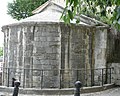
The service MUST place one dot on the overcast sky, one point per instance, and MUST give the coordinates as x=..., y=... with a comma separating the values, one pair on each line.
x=4, y=18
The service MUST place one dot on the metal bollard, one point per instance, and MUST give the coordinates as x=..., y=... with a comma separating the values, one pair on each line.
x=16, y=88
x=13, y=82
x=78, y=85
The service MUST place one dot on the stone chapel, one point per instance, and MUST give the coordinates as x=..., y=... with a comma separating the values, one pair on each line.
x=44, y=42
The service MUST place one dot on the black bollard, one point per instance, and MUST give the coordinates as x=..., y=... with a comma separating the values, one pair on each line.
x=13, y=82
x=16, y=88
x=78, y=85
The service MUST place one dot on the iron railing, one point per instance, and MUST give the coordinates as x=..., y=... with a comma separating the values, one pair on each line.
x=62, y=78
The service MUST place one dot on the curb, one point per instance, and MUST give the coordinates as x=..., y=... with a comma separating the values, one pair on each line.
x=64, y=91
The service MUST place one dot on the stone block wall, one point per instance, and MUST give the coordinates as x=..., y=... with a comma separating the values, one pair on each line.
x=47, y=53
x=33, y=47
x=116, y=73
x=0, y=78
x=43, y=49
x=10, y=53
x=76, y=45
x=100, y=47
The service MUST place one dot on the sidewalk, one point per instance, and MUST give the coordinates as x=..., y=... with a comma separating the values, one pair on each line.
x=109, y=92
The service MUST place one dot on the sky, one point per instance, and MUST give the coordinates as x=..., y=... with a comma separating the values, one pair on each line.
x=4, y=18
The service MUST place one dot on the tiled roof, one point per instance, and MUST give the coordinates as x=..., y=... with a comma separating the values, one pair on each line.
x=51, y=12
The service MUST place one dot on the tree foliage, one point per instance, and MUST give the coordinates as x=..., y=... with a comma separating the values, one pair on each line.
x=107, y=11
x=1, y=51
x=20, y=9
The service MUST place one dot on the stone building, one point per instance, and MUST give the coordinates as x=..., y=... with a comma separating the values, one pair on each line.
x=1, y=69
x=44, y=42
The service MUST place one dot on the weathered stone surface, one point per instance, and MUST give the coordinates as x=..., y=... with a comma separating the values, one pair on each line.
x=100, y=48
x=41, y=50
x=116, y=75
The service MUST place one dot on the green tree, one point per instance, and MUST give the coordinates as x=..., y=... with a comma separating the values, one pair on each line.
x=20, y=9
x=107, y=11
x=1, y=51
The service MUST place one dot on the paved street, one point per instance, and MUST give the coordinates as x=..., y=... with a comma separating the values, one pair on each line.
x=110, y=92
